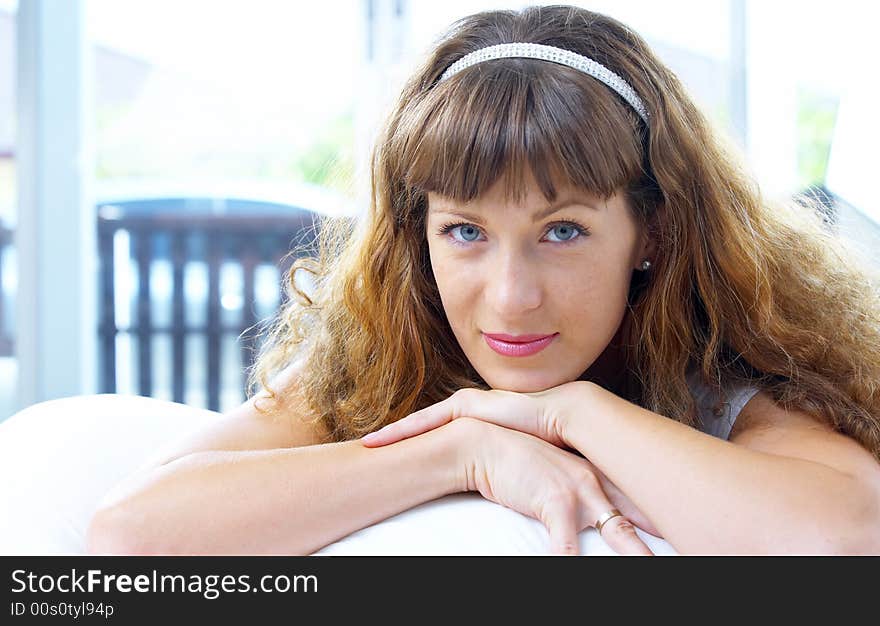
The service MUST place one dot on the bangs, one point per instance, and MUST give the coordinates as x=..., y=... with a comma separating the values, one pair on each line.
x=506, y=117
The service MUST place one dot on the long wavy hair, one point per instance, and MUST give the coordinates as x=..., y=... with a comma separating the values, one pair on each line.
x=741, y=288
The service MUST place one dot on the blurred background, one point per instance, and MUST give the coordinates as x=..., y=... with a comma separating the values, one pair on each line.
x=159, y=159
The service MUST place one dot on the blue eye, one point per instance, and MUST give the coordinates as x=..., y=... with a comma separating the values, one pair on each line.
x=468, y=230
x=567, y=232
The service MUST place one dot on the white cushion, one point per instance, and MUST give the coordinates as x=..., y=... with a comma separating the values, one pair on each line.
x=59, y=458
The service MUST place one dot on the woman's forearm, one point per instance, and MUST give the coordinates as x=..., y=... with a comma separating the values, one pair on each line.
x=281, y=501
x=707, y=496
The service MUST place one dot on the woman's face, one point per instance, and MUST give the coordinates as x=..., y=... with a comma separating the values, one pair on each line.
x=564, y=273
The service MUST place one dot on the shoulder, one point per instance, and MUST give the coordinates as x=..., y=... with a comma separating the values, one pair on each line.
x=764, y=426
x=761, y=414
x=286, y=408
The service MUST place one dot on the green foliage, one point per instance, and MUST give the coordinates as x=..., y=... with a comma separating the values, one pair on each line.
x=151, y=148
x=329, y=159
x=817, y=112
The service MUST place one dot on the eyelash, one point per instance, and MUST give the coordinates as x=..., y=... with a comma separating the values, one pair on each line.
x=583, y=231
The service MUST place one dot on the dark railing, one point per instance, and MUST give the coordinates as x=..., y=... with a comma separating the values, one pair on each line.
x=5, y=327
x=183, y=238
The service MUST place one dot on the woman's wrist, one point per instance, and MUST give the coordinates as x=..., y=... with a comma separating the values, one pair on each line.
x=462, y=438
x=584, y=401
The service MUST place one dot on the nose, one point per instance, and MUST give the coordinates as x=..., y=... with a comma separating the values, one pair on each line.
x=514, y=285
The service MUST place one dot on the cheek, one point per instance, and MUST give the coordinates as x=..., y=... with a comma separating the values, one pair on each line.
x=590, y=295
x=457, y=282
x=584, y=281
x=606, y=271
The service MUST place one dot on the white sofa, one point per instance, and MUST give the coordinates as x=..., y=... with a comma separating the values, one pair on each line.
x=58, y=458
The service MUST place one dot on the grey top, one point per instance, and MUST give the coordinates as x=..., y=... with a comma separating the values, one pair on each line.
x=736, y=397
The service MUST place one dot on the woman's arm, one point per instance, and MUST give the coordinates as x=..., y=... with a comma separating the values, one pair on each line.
x=796, y=490
x=278, y=501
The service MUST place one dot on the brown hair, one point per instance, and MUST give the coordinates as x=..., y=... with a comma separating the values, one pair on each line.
x=741, y=288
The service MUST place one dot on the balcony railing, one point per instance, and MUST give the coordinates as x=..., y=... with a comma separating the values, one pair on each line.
x=180, y=240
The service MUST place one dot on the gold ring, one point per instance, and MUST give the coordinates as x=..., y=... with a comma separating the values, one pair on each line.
x=605, y=517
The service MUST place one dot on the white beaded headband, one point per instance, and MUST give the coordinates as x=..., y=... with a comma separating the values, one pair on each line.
x=555, y=55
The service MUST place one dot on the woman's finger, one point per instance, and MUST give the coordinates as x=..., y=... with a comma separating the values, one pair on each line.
x=620, y=535
x=561, y=523
x=517, y=411
x=464, y=402
x=409, y=426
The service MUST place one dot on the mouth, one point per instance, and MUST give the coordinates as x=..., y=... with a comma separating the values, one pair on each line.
x=518, y=345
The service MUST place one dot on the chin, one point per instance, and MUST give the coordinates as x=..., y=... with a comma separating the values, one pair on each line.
x=523, y=382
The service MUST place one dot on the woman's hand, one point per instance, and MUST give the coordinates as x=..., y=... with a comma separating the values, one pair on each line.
x=543, y=414
x=558, y=488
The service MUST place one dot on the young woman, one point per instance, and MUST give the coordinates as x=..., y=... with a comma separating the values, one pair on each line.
x=566, y=295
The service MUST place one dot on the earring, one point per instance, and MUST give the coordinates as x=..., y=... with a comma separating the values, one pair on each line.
x=645, y=265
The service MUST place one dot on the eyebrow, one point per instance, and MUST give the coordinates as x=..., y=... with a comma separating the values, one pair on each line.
x=537, y=216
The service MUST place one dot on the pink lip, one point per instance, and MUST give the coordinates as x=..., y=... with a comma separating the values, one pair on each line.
x=516, y=338
x=518, y=345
